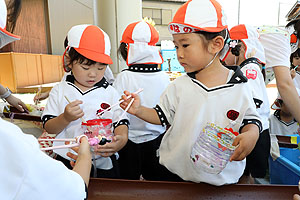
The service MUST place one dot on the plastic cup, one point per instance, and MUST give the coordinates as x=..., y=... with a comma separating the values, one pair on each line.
x=95, y=127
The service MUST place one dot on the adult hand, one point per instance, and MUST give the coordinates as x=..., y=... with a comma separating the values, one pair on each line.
x=17, y=103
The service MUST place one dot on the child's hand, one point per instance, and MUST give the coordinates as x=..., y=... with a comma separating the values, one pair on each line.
x=109, y=149
x=293, y=73
x=40, y=96
x=134, y=108
x=73, y=111
x=245, y=143
x=296, y=197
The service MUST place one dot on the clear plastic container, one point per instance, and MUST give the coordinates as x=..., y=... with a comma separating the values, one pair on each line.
x=98, y=127
x=213, y=148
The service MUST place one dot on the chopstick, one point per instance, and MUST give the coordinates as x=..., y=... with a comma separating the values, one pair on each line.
x=103, y=111
x=126, y=109
x=77, y=140
x=38, y=92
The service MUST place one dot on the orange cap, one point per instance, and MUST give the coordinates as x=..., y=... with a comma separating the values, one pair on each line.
x=91, y=42
x=141, y=38
x=198, y=15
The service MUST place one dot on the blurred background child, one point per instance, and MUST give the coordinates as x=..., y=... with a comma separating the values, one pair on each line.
x=86, y=56
x=282, y=122
x=245, y=50
x=295, y=70
x=137, y=48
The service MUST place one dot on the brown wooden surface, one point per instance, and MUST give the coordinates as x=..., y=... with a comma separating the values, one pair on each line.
x=23, y=116
x=32, y=27
x=109, y=189
x=20, y=70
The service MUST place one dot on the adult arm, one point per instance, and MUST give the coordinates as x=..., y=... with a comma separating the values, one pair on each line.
x=12, y=100
x=287, y=90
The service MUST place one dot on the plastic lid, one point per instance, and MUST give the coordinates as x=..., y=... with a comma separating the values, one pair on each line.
x=93, y=122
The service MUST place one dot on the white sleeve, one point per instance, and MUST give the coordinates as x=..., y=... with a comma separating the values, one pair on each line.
x=29, y=173
x=277, y=49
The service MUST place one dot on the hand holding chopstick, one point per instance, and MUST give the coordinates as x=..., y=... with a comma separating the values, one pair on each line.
x=128, y=97
x=74, y=143
x=82, y=119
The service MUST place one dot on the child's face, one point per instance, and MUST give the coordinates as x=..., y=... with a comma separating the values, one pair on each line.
x=296, y=61
x=191, y=51
x=284, y=108
x=86, y=76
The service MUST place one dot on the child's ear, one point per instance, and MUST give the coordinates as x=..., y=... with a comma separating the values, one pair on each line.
x=216, y=44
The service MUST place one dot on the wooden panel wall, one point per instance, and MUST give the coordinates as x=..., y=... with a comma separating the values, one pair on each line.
x=31, y=26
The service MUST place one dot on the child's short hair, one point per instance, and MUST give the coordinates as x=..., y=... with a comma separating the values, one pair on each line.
x=249, y=36
x=87, y=44
x=122, y=50
x=75, y=56
x=293, y=55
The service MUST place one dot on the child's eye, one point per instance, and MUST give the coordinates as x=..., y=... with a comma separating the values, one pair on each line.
x=100, y=68
x=176, y=47
x=85, y=68
x=185, y=45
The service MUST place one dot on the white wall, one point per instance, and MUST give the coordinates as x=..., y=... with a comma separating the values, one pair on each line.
x=164, y=33
x=113, y=16
x=257, y=12
x=63, y=14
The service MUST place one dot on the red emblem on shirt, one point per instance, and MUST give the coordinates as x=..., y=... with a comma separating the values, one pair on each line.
x=251, y=74
x=103, y=107
x=232, y=114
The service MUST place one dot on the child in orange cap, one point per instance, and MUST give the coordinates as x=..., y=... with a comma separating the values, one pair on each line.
x=210, y=110
x=86, y=56
x=138, y=49
x=245, y=50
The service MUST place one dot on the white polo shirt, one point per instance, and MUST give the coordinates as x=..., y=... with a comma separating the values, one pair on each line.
x=188, y=106
x=93, y=100
x=154, y=82
x=279, y=127
x=27, y=173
